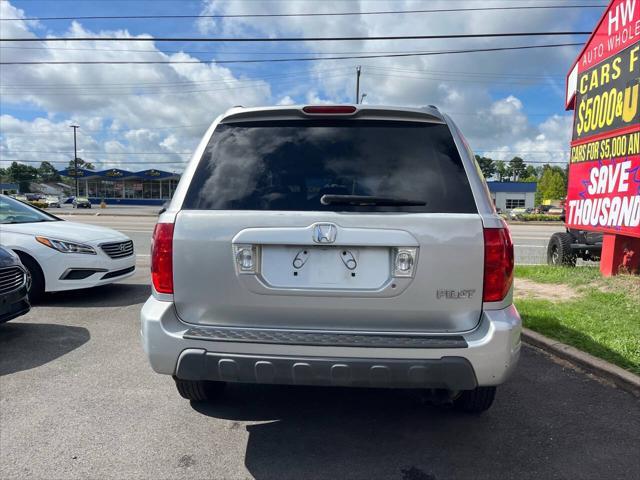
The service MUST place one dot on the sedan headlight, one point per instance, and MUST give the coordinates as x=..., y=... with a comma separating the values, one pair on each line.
x=66, y=247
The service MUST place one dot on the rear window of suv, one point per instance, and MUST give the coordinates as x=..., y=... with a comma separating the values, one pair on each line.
x=290, y=165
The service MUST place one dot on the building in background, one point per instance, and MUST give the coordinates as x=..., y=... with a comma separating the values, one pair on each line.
x=9, y=188
x=510, y=195
x=116, y=186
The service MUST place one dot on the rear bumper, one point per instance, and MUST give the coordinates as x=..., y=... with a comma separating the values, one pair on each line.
x=490, y=355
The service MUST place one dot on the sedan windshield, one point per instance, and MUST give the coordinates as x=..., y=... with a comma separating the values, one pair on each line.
x=13, y=211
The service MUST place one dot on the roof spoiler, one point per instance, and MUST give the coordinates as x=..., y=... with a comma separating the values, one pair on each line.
x=430, y=115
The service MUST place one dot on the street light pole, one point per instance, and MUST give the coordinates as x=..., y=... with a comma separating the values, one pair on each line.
x=358, y=84
x=75, y=158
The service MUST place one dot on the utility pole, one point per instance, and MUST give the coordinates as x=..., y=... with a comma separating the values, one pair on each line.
x=358, y=84
x=75, y=157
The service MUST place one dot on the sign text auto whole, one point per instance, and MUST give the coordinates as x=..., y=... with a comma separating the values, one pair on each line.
x=604, y=173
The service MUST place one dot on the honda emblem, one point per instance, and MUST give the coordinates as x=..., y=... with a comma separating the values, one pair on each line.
x=324, y=233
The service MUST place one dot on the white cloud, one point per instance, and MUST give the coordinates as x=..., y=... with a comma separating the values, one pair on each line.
x=459, y=84
x=286, y=100
x=122, y=100
x=128, y=108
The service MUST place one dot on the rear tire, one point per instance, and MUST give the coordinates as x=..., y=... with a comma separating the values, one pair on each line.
x=199, y=390
x=475, y=401
x=559, y=251
x=36, y=291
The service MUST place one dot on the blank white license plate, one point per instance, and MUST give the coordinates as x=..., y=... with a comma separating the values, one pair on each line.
x=316, y=267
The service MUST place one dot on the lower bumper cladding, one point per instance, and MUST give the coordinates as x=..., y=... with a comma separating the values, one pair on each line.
x=452, y=373
x=292, y=337
x=484, y=357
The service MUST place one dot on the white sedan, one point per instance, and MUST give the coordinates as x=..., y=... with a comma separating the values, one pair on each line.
x=63, y=255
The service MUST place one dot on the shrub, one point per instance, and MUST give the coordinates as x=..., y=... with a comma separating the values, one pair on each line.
x=38, y=204
x=538, y=217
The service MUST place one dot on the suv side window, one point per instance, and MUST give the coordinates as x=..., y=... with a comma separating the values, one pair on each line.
x=290, y=165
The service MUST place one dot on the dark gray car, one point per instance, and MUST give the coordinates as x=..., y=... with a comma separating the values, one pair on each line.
x=14, y=286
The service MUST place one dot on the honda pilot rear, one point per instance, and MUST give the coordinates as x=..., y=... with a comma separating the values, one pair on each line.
x=333, y=246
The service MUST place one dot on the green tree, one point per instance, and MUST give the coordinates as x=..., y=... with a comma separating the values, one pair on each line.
x=487, y=166
x=3, y=173
x=517, y=168
x=48, y=173
x=531, y=172
x=552, y=184
x=502, y=170
x=22, y=174
x=81, y=164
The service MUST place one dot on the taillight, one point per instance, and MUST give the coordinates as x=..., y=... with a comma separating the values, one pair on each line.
x=498, y=264
x=329, y=109
x=162, y=258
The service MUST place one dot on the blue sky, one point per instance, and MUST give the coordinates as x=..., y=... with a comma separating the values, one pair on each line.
x=507, y=104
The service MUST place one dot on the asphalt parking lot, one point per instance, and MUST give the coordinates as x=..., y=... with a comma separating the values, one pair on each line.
x=79, y=400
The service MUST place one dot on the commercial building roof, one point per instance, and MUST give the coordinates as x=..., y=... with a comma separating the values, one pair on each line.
x=513, y=187
x=116, y=173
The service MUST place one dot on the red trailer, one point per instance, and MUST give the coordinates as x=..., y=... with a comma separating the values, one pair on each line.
x=603, y=198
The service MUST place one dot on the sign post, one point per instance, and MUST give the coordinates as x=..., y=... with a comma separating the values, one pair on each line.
x=603, y=89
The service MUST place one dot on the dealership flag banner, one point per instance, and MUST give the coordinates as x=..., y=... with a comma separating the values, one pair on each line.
x=603, y=89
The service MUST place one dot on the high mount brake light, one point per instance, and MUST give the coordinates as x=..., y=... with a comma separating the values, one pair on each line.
x=330, y=110
x=162, y=258
x=498, y=264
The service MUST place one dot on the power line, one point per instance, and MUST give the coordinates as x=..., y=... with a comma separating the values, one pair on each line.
x=465, y=73
x=66, y=152
x=111, y=85
x=207, y=124
x=300, y=59
x=162, y=162
x=310, y=14
x=224, y=81
x=256, y=84
x=92, y=91
x=114, y=162
x=436, y=78
x=198, y=52
x=296, y=39
x=264, y=1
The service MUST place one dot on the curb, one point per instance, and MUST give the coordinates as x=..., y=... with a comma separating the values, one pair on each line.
x=622, y=378
x=100, y=214
x=535, y=222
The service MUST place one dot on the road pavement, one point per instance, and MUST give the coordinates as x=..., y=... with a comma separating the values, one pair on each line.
x=78, y=400
x=530, y=240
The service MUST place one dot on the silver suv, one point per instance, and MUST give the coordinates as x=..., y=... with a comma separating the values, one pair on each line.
x=338, y=246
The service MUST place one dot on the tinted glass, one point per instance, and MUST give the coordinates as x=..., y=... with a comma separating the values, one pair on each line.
x=13, y=211
x=290, y=165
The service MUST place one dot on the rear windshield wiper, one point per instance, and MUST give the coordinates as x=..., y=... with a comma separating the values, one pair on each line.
x=367, y=200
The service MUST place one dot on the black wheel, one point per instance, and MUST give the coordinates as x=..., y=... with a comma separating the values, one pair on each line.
x=199, y=390
x=36, y=290
x=559, y=250
x=475, y=401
